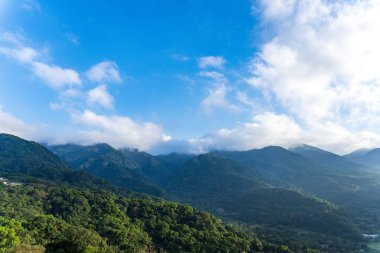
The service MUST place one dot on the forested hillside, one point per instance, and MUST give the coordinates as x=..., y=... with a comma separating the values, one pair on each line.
x=273, y=194
x=62, y=219
x=44, y=210
x=103, y=161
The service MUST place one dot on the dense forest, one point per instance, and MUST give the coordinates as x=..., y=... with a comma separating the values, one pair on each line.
x=62, y=219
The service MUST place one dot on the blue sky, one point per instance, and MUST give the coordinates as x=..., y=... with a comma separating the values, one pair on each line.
x=190, y=75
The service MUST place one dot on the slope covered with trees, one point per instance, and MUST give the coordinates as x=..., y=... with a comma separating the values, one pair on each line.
x=241, y=194
x=103, y=161
x=19, y=157
x=317, y=172
x=62, y=219
x=268, y=191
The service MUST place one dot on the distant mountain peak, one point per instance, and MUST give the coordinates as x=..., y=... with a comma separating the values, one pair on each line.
x=305, y=147
x=359, y=152
x=273, y=147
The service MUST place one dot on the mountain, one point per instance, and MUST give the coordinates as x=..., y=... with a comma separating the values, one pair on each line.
x=237, y=193
x=292, y=209
x=351, y=189
x=208, y=180
x=150, y=165
x=72, y=220
x=327, y=159
x=61, y=209
x=367, y=157
x=19, y=157
x=53, y=214
x=103, y=161
x=279, y=166
x=359, y=152
x=174, y=161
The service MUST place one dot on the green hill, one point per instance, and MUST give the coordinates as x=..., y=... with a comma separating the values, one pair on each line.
x=209, y=179
x=174, y=161
x=367, y=157
x=328, y=159
x=350, y=188
x=72, y=220
x=237, y=193
x=29, y=159
x=103, y=161
x=149, y=165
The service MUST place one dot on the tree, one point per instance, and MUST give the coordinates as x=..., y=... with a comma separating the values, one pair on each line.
x=8, y=239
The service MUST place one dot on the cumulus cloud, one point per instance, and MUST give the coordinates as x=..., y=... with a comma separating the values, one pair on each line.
x=265, y=129
x=270, y=128
x=100, y=95
x=275, y=9
x=23, y=54
x=104, y=72
x=243, y=98
x=119, y=131
x=322, y=62
x=216, y=97
x=317, y=75
x=56, y=76
x=320, y=69
x=211, y=62
x=217, y=93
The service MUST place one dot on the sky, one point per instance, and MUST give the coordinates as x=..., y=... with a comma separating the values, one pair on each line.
x=192, y=75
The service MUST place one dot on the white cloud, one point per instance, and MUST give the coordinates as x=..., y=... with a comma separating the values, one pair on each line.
x=243, y=98
x=275, y=9
x=215, y=76
x=322, y=63
x=12, y=125
x=100, y=95
x=217, y=93
x=281, y=130
x=119, y=131
x=216, y=97
x=211, y=62
x=70, y=93
x=265, y=129
x=104, y=72
x=56, y=76
x=12, y=38
x=23, y=54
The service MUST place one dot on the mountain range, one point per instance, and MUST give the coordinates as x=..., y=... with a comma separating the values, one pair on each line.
x=304, y=197
x=369, y=157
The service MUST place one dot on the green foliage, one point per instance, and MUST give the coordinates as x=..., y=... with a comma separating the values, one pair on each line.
x=236, y=193
x=8, y=237
x=48, y=214
x=27, y=159
x=74, y=220
x=103, y=161
x=149, y=165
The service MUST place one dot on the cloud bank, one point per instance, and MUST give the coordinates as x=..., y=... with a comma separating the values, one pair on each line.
x=320, y=68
